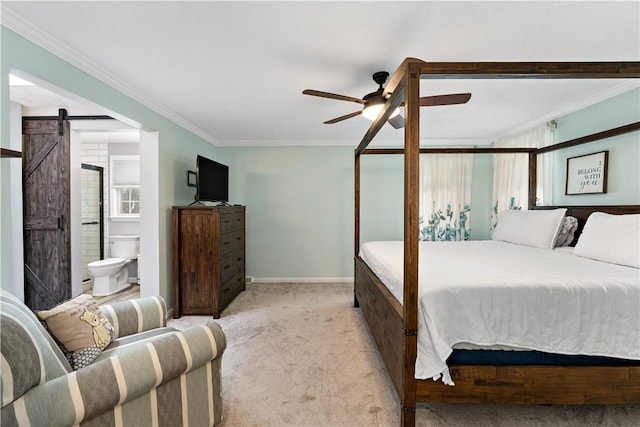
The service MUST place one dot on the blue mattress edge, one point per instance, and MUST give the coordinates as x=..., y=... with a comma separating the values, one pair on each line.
x=537, y=358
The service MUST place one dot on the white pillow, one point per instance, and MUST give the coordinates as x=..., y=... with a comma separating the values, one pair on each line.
x=611, y=238
x=537, y=228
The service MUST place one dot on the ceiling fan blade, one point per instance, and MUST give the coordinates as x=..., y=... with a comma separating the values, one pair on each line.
x=333, y=96
x=341, y=118
x=455, y=98
x=397, y=121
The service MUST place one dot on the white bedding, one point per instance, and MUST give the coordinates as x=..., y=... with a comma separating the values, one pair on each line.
x=495, y=293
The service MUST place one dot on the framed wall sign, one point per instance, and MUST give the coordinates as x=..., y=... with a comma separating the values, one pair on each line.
x=587, y=174
x=191, y=178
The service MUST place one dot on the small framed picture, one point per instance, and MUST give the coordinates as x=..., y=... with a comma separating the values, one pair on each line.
x=587, y=174
x=191, y=178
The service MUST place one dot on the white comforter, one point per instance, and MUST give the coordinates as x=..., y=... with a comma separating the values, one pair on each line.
x=496, y=293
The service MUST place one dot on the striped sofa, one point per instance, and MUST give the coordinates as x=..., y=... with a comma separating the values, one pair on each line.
x=151, y=375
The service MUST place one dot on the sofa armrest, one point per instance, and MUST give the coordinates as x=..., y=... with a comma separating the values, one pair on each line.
x=98, y=388
x=137, y=315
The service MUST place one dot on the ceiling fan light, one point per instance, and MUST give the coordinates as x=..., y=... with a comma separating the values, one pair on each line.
x=371, y=111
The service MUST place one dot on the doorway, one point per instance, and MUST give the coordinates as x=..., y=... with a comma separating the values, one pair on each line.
x=92, y=199
x=43, y=98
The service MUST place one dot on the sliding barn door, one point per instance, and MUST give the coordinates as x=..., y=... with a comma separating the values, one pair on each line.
x=47, y=247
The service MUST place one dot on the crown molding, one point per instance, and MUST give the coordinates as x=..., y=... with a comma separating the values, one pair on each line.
x=387, y=143
x=288, y=143
x=571, y=108
x=24, y=28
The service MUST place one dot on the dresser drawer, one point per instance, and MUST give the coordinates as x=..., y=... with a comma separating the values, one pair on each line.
x=232, y=287
x=230, y=264
x=231, y=241
x=231, y=221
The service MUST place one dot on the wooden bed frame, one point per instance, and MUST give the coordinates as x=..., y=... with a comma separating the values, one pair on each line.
x=394, y=326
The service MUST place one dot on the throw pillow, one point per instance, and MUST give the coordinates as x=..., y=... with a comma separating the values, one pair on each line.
x=568, y=230
x=81, y=329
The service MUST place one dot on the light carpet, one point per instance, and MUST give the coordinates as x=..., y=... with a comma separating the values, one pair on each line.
x=299, y=354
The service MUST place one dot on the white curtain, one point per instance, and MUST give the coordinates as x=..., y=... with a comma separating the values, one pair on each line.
x=445, y=196
x=511, y=171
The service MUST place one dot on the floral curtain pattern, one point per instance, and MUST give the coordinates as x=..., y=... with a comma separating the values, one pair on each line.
x=445, y=196
x=442, y=225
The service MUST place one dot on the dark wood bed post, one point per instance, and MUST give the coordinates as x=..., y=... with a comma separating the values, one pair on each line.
x=411, y=225
x=533, y=179
x=356, y=212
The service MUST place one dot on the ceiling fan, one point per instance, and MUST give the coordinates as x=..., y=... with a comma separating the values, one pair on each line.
x=374, y=101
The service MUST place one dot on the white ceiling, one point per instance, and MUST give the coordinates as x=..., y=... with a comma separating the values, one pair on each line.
x=233, y=72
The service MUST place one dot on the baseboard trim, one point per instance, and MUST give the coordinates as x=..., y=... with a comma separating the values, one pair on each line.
x=300, y=280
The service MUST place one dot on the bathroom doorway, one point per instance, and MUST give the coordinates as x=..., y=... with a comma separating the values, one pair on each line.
x=40, y=98
x=92, y=231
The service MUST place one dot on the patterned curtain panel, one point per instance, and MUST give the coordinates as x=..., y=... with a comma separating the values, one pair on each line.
x=510, y=172
x=445, y=201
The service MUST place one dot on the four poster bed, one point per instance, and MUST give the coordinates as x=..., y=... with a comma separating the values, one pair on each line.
x=394, y=325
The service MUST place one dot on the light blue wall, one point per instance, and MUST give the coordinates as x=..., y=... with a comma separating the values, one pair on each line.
x=177, y=148
x=300, y=206
x=299, y=209
x=381, y=197
x=623, y=186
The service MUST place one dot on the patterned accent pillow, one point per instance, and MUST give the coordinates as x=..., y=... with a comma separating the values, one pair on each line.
x=569, y=227
x=80, y=328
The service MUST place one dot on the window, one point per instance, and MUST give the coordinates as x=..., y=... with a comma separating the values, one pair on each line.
x=127, y=201
x=124, y=176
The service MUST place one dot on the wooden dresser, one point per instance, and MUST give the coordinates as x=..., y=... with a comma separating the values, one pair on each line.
x=208, y=258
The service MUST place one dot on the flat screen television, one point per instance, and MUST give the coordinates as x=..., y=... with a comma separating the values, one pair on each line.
x=212, y=181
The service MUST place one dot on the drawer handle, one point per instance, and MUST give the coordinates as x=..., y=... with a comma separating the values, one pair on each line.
x=225, y=243
x=238, y=238
x=239, y=258
x=226, y=267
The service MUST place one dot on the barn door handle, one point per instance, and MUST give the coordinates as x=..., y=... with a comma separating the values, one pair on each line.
x=61, y=222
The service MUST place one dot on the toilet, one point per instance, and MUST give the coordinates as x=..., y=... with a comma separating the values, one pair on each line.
x=112, y=274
